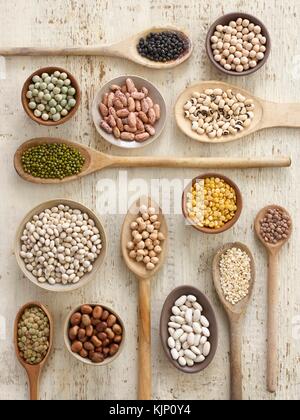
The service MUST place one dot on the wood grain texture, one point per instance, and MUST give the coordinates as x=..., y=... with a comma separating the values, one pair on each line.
x=78, y=22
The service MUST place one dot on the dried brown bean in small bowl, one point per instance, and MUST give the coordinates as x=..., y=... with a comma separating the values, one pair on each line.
x=151, y=119
x=225, y=21
x=94, y=334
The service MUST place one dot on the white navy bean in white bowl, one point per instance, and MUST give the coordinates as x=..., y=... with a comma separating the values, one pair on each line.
x=188, y=330
x=60, y=245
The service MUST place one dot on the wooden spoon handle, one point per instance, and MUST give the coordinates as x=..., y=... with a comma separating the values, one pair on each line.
x=204, y=163
x=145, y=377
x=73, y=51
x=236, y=377
x=281, y=115
x=272, y=362
x=34, y=373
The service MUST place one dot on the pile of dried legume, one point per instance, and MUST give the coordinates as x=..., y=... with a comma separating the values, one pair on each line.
x=189, y=332
x=163, y=46
x=238, y=46
x=51, y=97
x=60, y=245
x=146, y=243
x=218, y=113
x=275, y=226
x=211, y=203
x=235, y=275
x=33, y=335
x=53, y=160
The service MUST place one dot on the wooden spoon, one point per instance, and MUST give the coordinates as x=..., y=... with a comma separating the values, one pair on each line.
x=266, y=114
x=125, y=49
x=235, y=314
x=96, y=161
x=273, y=298
x=144, y=278
x=33, y=371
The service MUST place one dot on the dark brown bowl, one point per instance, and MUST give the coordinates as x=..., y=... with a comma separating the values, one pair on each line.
x=25, y=101
x=224, y=20
x=208, y=312
x=228, y=225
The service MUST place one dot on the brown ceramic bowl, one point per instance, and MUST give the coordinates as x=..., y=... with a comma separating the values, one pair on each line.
x=88, y=361
x=228, y=225
x=224, y=20
x=208, y=312
x=25, y=101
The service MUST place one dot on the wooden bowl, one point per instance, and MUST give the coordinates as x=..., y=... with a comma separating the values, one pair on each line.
x=224, y=20
x=228, y=225
x=25, y=101
x=97, y=264
x=153, y=93
x=208, y=312
x=87, y=361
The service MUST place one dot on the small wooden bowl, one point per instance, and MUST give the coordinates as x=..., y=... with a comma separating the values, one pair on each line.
x=88, y=361
x=25, y=100
x=228, y=225
x=153, y=93
x=97, y=264
x=208, y=312
x=225, y=20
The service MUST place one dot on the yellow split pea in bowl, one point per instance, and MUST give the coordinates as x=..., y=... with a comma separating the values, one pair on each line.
x=212, y=203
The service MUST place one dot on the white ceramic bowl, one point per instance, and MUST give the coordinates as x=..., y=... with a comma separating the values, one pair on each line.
x=153, y=93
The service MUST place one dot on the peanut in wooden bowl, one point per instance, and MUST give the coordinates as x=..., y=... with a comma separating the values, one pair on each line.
x=225, y=20
x=229, y=224
x=97, y=264
x=208, y=312
x=88, y=362
x=25, y=101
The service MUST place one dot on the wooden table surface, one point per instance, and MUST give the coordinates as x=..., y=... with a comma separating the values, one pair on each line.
x=72, y=22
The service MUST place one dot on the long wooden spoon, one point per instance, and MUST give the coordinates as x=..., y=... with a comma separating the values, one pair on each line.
x=273, y=298
x=96, y=161
x=235, y=314
x=266, y=114
x=144, y=278
x=33, y=371
x=125, y=49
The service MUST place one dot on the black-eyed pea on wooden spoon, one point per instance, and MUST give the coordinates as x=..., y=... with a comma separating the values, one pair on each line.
x=33, y=370
x=273, y=226
x=125, y=49
x=97, y=161
x=144, y=277
x=263, y=114
x=235, y=302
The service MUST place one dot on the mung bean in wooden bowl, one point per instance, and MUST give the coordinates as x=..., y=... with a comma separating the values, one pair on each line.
x=60, y=245
x=212, y=203
x=51, y=96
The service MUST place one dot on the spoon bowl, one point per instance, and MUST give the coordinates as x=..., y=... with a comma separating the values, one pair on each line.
x=125, y=49
x=266, y=114
x=208, y=312
x=97, y=161
x=33, y=371
x=235, y=314
x=144, y=279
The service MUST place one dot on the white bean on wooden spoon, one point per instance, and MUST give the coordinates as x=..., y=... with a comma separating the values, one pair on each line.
x=266, y=114
x=144, y=277
x=125, y=49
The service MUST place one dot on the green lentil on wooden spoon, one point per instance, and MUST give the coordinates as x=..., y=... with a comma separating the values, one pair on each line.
x=54, y=160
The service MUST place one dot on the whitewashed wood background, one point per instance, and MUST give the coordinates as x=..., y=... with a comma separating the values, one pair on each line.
x=79, y=22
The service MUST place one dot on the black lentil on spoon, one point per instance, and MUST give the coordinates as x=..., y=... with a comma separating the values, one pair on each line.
x=162, y=46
